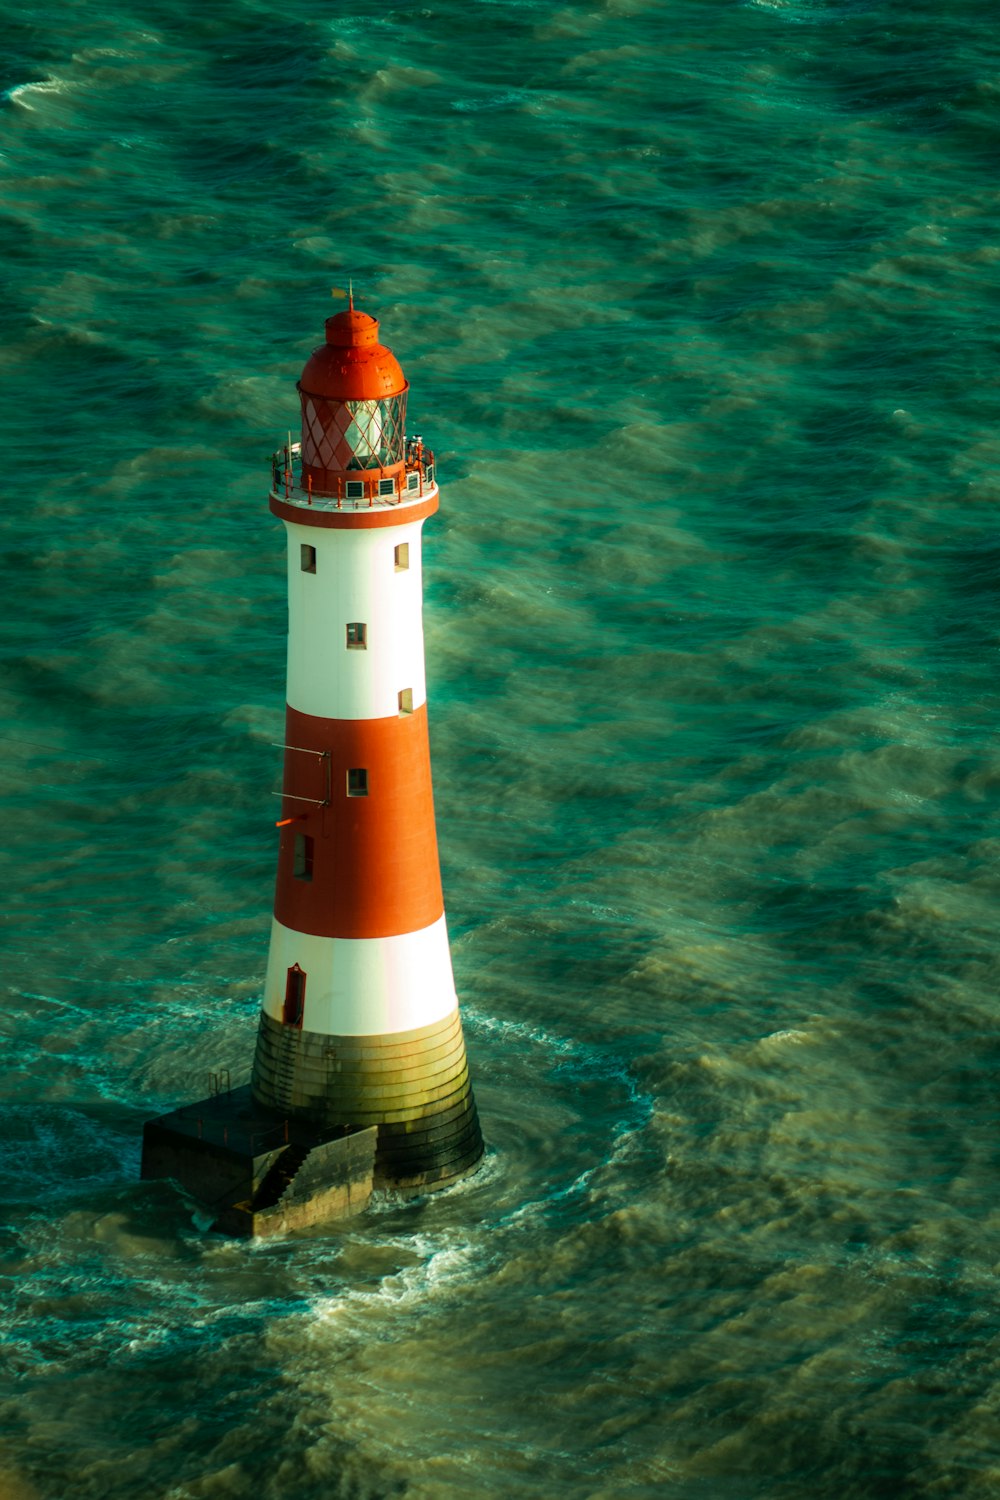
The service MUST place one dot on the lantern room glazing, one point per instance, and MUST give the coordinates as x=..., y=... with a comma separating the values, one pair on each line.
x=342, y=437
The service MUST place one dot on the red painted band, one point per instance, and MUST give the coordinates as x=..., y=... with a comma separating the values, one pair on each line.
x=371, y=869
x=354, y=520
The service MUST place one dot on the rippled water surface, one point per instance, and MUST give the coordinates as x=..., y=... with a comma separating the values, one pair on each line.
x=698, y=303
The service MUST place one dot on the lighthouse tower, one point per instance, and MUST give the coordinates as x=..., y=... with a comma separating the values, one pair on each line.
x=360, y=1024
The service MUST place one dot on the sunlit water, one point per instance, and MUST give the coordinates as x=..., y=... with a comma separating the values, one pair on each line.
x=699, y=307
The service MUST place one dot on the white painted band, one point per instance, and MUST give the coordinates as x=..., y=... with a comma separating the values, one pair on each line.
x=356, y=581
x=364, y=986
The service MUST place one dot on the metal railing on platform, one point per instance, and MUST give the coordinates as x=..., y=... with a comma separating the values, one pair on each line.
x=368, y=492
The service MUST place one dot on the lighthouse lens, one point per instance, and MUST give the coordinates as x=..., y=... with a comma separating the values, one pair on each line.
x=364, y=433
x=375, y=432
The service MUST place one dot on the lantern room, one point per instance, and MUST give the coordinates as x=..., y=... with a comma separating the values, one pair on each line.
x=353, y=395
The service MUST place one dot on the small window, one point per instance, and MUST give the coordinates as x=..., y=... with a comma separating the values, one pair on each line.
x=405, y=697
x=402, y=557
x=303, y=866
x=357, y=636
x=308, y=558
x=387, y=486
x=295, y=997
x=357, y=782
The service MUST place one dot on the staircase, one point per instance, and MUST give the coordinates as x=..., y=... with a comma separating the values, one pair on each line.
x=279, y=1177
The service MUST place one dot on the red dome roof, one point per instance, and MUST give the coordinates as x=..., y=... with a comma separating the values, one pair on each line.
x=352, y=365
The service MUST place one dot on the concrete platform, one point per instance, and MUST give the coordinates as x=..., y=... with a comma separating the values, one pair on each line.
x=256, y=1173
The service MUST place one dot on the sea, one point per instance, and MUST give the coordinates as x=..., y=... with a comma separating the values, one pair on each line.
x=699, y=305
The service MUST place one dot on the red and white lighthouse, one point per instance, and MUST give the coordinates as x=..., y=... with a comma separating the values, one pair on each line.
x=360, y=1023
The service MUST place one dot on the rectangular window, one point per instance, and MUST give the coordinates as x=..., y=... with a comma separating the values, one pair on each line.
x=357, y=782
x=405, y=696
x=308, y=556
x=402, y=557
x=303, y=866
x=357, y=636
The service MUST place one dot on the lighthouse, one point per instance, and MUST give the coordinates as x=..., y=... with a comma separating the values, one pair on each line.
x=360, y=1077
x=360, y=1022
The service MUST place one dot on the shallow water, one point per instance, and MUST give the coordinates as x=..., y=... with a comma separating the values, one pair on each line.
x=698, y=310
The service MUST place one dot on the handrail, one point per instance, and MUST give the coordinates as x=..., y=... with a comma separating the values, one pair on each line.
x=287, y=485
x=255, y=1139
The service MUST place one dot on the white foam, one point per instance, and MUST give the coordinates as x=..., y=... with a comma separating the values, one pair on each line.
x=777, y=1038
x=443, y=1265
x=21, y=93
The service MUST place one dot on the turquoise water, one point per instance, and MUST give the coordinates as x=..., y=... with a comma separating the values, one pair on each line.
x=698, y=304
